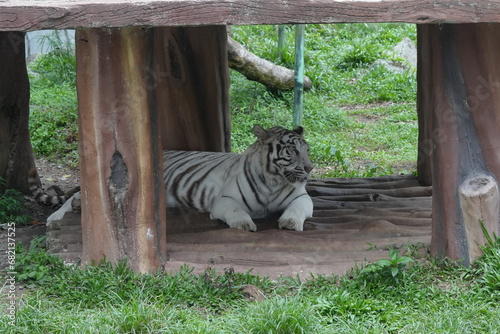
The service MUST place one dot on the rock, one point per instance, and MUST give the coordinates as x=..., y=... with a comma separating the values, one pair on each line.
x=406, y=50
x=252, y=293
x=392, y=66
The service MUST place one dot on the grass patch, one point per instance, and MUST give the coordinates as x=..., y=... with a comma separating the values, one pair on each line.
x=425, y=295
x=360, y=119
x=53, y=123
x=339, y=61
x=12, y=206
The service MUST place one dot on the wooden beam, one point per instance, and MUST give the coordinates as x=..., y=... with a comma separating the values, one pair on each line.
x=121, y=166
x=35, y=15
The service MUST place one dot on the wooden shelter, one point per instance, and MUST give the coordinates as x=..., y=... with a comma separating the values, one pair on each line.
x=153, y=75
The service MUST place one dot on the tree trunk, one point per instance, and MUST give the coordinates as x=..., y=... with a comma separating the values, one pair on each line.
x=123, y=196
x=196, y=103
x=460, y=103
x=16, y=154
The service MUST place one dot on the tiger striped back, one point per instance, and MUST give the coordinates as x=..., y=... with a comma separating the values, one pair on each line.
x=194, y=179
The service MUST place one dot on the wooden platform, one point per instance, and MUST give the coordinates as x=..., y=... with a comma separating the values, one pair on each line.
x=354, y=220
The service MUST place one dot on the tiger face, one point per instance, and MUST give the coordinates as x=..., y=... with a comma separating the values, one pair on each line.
x=287, y=152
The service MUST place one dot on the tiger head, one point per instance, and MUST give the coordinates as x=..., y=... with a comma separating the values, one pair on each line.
x=287, y=152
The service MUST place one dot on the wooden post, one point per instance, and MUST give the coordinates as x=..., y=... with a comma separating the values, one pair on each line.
x=123, y=196
x=298, y=91
x=460, y=103
x=424, y=104
x=281, y=41
x=195, y=109
x=16, y=154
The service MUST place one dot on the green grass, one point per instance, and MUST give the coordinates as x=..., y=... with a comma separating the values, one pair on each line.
x=12, y=206
x=360, y=120
x=347, y=91
x=53, y=123
x=424, y=295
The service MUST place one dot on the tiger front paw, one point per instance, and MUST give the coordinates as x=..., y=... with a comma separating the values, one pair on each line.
x=244, y=225
x=291, y=224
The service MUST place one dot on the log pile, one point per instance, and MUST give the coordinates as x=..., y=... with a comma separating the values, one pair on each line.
x=354, y=220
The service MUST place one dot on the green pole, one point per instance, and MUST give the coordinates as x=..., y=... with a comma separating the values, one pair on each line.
x=298, y=91
x=281, y=41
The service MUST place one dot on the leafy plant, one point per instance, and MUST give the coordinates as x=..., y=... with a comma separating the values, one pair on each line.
x=54, y=132
x=12, y=206
x=58, y=65
x=53, y=122
x=388, y=270
x=34, y=265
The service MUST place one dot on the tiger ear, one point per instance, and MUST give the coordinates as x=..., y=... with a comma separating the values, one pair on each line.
x=260, y=132
x=299, y=130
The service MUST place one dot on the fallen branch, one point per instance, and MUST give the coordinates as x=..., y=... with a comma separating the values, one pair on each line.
x=273, y=76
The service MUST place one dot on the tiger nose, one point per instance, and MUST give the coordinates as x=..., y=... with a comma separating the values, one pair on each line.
x=308, y=169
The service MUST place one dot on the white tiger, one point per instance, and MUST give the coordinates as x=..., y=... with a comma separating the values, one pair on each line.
x=269, y=177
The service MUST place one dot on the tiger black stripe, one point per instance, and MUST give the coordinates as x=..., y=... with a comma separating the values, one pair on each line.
x=242, y=195
x=43, y=197
x=251, y=182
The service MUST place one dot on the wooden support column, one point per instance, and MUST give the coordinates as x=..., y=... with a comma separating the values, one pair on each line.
x=123, y=196
x=195, y=71
x=459, y=100
x=16, y=154
x=424, y=103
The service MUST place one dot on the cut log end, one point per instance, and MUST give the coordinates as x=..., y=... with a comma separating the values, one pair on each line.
x=480, y=204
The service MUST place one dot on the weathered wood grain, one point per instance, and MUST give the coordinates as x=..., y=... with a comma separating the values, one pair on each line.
x=480, y=204
x=36, y=15
x=332, y=241
x=461, y=108
x=123, y=197
x=16, y=154
x=193, y=77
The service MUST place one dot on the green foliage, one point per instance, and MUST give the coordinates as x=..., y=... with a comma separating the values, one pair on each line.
x=339, y=62
x=54, y=127
x=391, y=269
x=109, y=298
x=11, y=206
x=106, y=284
x=58, y=66
x=342, y=303
x=487, y=268
x=34, y=265
x=53, y=122
x=280, y=315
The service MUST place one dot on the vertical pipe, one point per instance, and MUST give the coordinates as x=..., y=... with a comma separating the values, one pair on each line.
x=281, y=41
x=298, y=91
